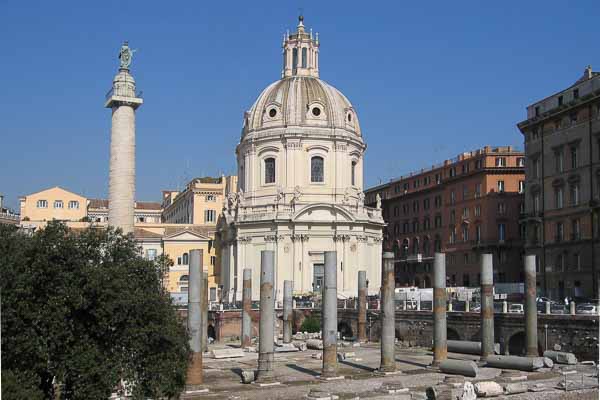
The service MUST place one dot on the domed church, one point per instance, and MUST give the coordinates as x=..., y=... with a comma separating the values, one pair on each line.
x=300, y=185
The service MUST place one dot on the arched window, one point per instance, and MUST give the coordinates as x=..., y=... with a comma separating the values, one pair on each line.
x=316, y=169
x=185, y=259
x=304, y=56
x=353, y=172
x=415, y=246
x=184, y=278
x=270, y=170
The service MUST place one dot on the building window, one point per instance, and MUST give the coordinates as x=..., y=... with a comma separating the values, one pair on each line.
x=501, y=186
x=185, y=259
x=452, y=172
x=213, y=260
x=58, y=204
x=151, y=254
x=574, y=157
x=478, y=233
x=575, y=93
x=478, y=190
x=426, y=204
x=415, y=206
x=465, y=192
x=478, y=210
x=452, y=235
x=210, y=215
x=521, y=187
x=437, y=221
x=426, y=223
x=73, y=204
x=503, y=256
x=560, y=100
x=316, y=169
x=42, y=204
x=453, y=216
x=500, y=161
x=452, y=197
x=559, y=197
x=575, y=194
x=559, y=161
x=559, y=233
x=304, y=55
x=560, y=263
x=396, y=211
x=478, y=164
x=438, y=201
x=520, y=161
x=465, y=233
x=575, y=230
x=577, y=262
x=294, y=59
x=501, y=208
x=536, y=203
x=501, y=232
x=537, y=111
x=353, y=172
x=438, y=179
x=536, y=167
x=211, y=197
x=270, y=170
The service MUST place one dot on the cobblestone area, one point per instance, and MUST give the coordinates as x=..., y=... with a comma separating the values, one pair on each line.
x=298, y=375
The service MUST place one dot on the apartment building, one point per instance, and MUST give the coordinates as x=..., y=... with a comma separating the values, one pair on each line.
x=464, y=207
x=562, y=199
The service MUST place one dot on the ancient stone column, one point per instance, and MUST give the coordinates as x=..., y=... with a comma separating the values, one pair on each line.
x=247, y=309
x=287, y=311
x=123, y=101
x=531, y=332
x=329, y=316
x=267, y=315
x=362, y=306
x=194, y=373
x=440, y=344
x=204, y=308
x=487, y=306
x=388, y=326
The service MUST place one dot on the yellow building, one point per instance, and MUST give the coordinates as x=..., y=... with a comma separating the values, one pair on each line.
x=200, y=202
x=52, y=204
x=176, y=241
x=60, y=204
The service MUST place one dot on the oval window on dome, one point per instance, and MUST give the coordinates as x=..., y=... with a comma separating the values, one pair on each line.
x=272, y=112
x=349, y=117
x=316, y=111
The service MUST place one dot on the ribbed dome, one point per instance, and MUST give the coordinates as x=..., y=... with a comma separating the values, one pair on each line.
x=301, y=101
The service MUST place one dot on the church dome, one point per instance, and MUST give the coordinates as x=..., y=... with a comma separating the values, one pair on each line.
x=300, y=98
x=301, y=101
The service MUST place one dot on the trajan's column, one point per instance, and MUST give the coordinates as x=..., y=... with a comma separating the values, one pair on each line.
x=123, y=100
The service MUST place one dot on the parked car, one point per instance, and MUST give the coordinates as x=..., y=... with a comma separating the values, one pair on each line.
x=558, y=308
x=586, y=308
x=516, y=308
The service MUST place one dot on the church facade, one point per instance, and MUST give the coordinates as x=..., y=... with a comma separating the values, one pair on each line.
x=300, y=185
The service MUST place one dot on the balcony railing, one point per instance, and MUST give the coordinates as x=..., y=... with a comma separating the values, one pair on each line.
x=123, y=91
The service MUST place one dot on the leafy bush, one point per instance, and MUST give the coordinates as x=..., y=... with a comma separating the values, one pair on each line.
x=86, y=310
x=310, y=325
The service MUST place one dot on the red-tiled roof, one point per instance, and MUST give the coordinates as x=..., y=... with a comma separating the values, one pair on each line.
x=139, y=205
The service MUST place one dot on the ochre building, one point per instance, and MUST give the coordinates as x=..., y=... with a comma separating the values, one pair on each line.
x=464, y=207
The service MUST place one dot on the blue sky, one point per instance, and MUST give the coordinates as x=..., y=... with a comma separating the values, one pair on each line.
x=429, y=80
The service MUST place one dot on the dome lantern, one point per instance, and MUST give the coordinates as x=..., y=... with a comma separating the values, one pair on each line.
x=300, y=53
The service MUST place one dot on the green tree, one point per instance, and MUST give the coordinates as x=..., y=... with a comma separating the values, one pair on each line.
x=84, y=310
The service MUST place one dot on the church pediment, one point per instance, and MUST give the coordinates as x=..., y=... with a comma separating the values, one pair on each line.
x=322, y=212
x=186, y=236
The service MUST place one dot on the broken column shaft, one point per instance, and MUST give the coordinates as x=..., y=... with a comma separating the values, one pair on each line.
x=267, y=315
x=388, y=328
x=287, y=311
x=362, y=306
x=194, y=373
x=329, y=316
x=247, y=308
x=204, y=307
x=531, y=333
x=440, y=344
x=487, y=306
